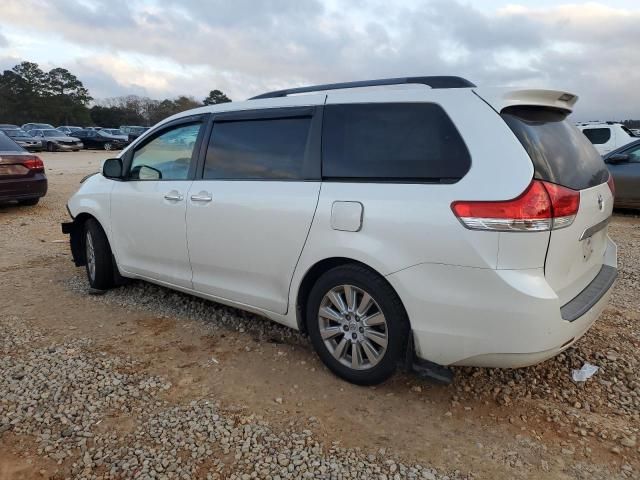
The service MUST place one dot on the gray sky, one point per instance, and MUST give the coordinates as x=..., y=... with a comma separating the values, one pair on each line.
x=244, y=47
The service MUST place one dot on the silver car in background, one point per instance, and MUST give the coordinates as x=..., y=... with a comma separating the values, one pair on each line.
x=54, y=140
x=24, y=139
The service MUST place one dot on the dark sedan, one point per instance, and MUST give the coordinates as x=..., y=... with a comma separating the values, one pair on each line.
x=24, y=139
x=98, y=139
x=22, y=176
x=624, y=165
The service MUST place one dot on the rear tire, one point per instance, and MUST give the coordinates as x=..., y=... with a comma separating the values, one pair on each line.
x=98, y=257
x=361, y=333
x=50, y=147
x=108, y=146
x=29, y=202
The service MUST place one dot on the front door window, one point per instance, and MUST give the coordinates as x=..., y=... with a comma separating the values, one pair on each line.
x=168, y=156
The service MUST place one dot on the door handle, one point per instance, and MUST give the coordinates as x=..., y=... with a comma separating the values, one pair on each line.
x=174, y=196
x=201, y=197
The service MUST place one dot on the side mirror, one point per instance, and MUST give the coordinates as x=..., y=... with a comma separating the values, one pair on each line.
x=112, y=168
x=618, y=158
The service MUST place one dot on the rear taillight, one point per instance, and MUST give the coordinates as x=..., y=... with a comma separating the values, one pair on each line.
x=542, y=206
x=612, y=186
x=34, y=163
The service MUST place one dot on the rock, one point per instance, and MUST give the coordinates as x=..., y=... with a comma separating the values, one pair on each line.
x=629, y=442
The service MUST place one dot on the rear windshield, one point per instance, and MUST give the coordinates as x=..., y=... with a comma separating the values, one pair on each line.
x=560, y=152
x=8, y=145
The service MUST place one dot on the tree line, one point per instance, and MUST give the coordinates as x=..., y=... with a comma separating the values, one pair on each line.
x=58, y=97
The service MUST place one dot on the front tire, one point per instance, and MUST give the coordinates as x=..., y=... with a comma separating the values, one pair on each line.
x=357, y=324
x=98, y=258
x=50, y=147
x=108, y=146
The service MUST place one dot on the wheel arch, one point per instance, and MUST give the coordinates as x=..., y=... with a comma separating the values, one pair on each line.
x=76, y=239
x=311, y=276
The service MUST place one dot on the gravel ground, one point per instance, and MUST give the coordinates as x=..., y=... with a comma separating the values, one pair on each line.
x=60, y=394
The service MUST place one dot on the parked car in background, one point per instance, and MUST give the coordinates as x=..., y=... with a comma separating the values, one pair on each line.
x=133, y=132
x=8, y=126
x=24, y=139
x=54, y=140
x=69, y=130
x=380, y=227
x=116, y=133
x=624, y=165
x=607, y=136
x=27, y=127
x=100, y=140
x=22, y=175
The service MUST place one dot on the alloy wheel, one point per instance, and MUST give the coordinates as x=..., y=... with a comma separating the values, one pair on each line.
x=91, y=256
x=353, y=327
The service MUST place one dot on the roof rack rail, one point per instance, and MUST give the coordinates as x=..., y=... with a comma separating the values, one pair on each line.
x=433, y=82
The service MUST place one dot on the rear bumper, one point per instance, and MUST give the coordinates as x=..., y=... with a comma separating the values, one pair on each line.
x=490, y=318
x=23, y=188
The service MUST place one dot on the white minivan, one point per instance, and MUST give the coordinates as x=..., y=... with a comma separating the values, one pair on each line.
x=409, y=221
x=607, y=136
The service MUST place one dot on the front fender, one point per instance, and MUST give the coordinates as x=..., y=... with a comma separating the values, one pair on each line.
x=92, y=200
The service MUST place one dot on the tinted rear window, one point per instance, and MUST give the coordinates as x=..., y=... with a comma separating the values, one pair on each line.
x=560, y=152
x=597, y=136
x=8, y=145
x=258, y=149
x=392, y=142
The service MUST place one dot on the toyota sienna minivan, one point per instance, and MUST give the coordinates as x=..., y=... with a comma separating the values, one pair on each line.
x=419, y=218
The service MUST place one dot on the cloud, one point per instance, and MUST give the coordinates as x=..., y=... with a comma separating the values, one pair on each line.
x=3, y=41
x=246, y=47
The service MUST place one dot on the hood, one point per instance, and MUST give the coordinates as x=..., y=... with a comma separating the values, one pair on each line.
x=63, y=138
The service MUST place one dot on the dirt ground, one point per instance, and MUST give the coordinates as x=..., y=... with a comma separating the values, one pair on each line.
x=467, y=427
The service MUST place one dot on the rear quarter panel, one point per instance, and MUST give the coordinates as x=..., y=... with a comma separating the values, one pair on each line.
x=408, y=224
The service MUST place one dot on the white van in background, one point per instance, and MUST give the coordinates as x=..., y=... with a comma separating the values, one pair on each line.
x=607, y=136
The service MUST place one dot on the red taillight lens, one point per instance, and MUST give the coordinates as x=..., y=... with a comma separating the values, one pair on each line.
x=612, y=186
x=564, y=204
x=542, y=206
x=34, y=163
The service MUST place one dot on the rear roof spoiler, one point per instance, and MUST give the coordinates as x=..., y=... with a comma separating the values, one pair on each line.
x=501, y=98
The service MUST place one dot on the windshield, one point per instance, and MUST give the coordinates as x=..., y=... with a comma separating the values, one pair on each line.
x=53, y=133
x=559, y=151
x=16, y=133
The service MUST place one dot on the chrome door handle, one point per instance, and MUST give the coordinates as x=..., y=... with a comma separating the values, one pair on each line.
x=201, y=197
x=175, y=196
